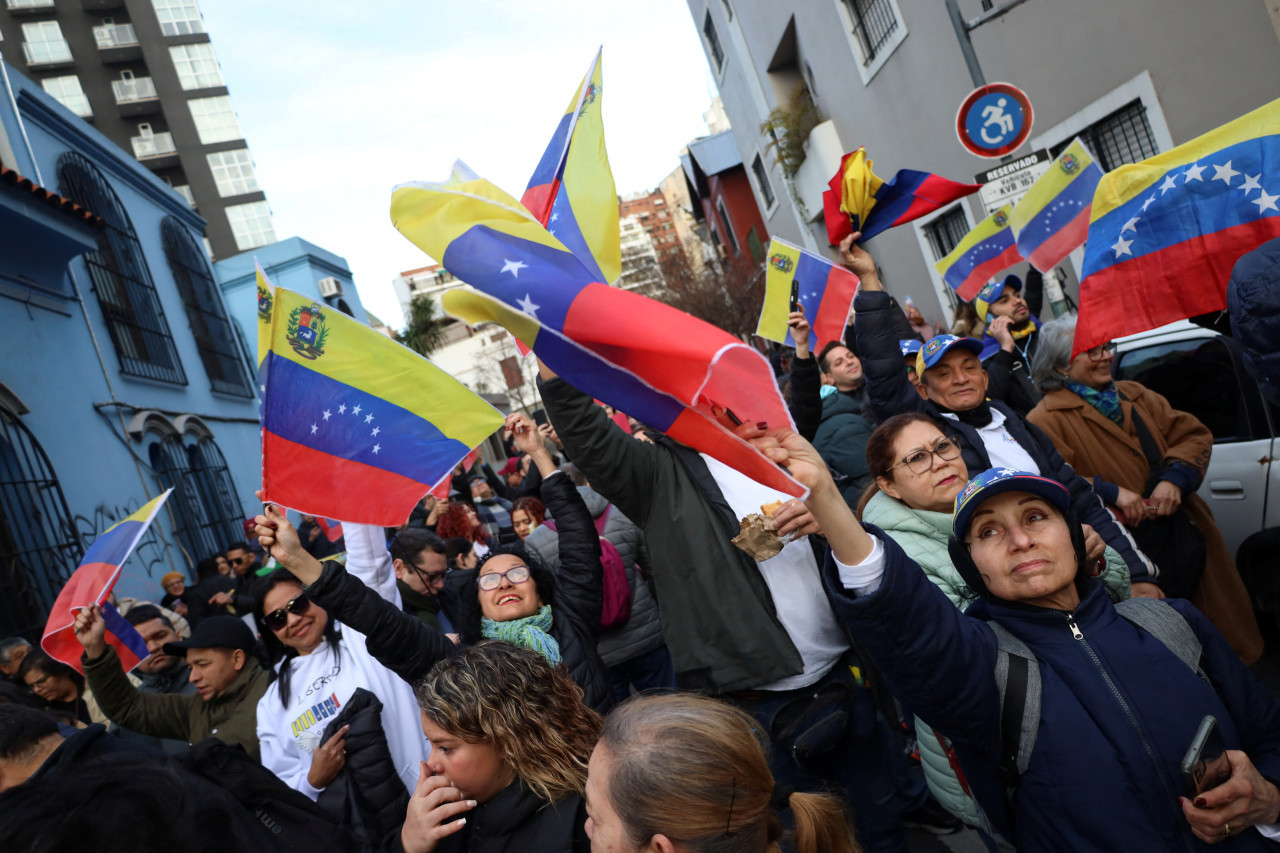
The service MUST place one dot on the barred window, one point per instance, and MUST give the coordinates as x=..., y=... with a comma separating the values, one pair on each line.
x=121, y=278
x=874, y=21
x=946, y=232
x=219, y=348
x=1122, y=137
x=713, y=40
x=38, y=545
x=205, y=513
x=728, y=227
x=762, y=181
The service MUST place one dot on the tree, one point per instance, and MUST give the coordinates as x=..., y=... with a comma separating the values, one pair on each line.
x=729, y=297
x=424, y=331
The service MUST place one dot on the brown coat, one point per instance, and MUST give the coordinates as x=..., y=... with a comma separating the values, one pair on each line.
x=1095, y=446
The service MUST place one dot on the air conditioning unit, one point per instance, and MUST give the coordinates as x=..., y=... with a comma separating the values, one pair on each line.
x=329, y=286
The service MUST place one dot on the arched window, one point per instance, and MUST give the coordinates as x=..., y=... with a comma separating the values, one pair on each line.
x=207, y=514
x=217, y=342
x=38, y=545
x=121, y=278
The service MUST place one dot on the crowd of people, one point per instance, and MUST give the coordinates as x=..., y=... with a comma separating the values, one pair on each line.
x=1001, y=606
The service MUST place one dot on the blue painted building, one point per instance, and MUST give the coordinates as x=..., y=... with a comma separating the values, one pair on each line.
x=121, y=373
x=296, y=264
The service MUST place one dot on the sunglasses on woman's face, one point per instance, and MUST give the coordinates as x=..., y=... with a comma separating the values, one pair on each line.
x=277, y=619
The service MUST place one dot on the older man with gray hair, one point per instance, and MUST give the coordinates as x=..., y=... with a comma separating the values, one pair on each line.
x=12, y=688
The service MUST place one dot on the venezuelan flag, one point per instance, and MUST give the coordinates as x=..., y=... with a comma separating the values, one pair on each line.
x=826, y=291
x=91, y=583
x=985, y=251
x=1052, y=219
x=354, y=425
x=265, y=297
x=1164, y=233
x=572, y=191
x=636, y=354
x=857, y=200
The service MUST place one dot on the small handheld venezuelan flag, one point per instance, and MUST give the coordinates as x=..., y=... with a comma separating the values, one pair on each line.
x=986, y=250
x=1052, y=219
x=826, y=291
x=90, y=585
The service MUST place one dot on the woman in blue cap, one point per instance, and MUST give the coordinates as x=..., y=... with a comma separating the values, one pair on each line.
x=1069, y=715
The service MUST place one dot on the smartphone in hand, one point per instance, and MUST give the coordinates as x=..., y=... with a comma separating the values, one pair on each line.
x=795, y=296
x=1205, y=764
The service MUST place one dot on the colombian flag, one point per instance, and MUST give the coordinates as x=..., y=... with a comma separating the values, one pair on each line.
x=859, y=201
x=90, y=584
x=354, y=425
x=1164, y=233
x=1052, y=219
x=571, y=192
x=825, y=289
x=984, y=252
x=636, y=354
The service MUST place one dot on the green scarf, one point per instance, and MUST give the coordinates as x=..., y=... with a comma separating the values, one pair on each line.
x=531, y=632
x=1105, y=400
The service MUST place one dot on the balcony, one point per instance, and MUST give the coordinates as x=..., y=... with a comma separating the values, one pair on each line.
x=47, y=54
x=117, y=43
x=95, y=6
x=823, y=152
x=28, y=7
x=156, y=149
x=135, y=97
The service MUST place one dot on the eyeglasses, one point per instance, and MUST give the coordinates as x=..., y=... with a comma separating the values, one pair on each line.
x=235, y=561
x=1101, y=351
x=277, y=619
x=429, y=578
x=919, y=461
x=515, y=574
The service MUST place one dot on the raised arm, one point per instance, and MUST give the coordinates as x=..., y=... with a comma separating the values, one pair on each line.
x=806, y=380
x=369, y=560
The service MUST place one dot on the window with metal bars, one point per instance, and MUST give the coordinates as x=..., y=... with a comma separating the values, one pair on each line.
x=946, y=232
x=874, y=21
x=38, y=546
x=206, y=515
x=219, y=348
x=1122, y=137
x=121, y=278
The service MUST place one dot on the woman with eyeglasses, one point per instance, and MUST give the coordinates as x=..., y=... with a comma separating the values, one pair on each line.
x=919, y=472
x=1147, y=459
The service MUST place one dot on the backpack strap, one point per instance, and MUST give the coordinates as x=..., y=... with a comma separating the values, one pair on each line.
x=602, y=520
x=1018, y=679
x=1164, y=623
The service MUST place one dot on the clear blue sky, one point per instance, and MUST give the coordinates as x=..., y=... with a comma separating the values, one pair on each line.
x=340, y=101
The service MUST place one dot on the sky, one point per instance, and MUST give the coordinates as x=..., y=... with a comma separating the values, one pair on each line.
x=341, y=101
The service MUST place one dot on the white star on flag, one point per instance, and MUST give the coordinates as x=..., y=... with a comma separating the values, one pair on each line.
x=376, y=448
x=356, y=411
x=512, y=267
x=313, y=429
x=326, y=414
x=1193, y=173
x=1169, y=183
x=375, y=432
x=1147, y=203
x=1251, y=183
x=1121, y=247
x=342, y=409
x=1131, y=225
x=1266, y=202
x=368, y=418
x=554, y=217
x=263, y=388
x=527, y=306
x=1224, y=173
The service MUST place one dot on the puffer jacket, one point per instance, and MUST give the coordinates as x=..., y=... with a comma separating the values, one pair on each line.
x=1253, y=299
x=367, y=795
x=923, y=535
x=1117, y=709
x=642, y=631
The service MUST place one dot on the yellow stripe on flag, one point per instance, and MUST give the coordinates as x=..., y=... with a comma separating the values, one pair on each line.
x=777, y=292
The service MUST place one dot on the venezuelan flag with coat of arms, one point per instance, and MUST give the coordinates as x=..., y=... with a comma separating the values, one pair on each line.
x=826, y=292
x=640, y=356
x=90, y=585
x=1165, y=233
x=986, y=250
x=355, y=426
x=1052, y=219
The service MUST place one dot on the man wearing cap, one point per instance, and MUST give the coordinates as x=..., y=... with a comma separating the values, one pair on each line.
x=227, y=678
x=991, y=433
x=1013, y=330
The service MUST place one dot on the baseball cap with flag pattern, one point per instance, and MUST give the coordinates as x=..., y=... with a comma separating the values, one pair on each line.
x=991, y=292
x=995, y=481
x=939, y=345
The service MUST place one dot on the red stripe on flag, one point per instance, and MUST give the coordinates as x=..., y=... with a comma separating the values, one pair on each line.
x=352, y=491
x=696, y=430
x=982, y=272
x=1067, y=239
x=833, y=312
x=538, y=201
x=1180, y=281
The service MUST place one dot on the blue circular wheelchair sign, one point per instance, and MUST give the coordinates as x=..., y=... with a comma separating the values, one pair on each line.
x=994, y=120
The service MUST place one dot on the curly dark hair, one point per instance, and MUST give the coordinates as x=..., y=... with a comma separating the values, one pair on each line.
x=537, y=509
x=277, y=651
x=455, y=521
x=469, y=614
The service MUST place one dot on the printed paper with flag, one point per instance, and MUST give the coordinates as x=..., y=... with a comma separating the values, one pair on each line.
x=90, y=585
x=984, y=252
x=1164, y=233
x=354, y=425
x=826, y=291
x=640, y=356
x=1052, y=219
x=857, y=200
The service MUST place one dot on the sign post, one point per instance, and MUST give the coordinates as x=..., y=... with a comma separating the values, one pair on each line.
x=994, y=120
x=1009, y=182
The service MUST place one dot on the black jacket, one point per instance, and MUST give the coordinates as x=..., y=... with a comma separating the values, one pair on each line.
x=1009, y=373
x=516, y=821
x=367, y=794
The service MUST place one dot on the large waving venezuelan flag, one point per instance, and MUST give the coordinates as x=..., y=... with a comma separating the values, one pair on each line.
x=90, y=585
x=642, y=357
x=1164, y=233
x=988, y=249
x=355, y=426
x=825, y=290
